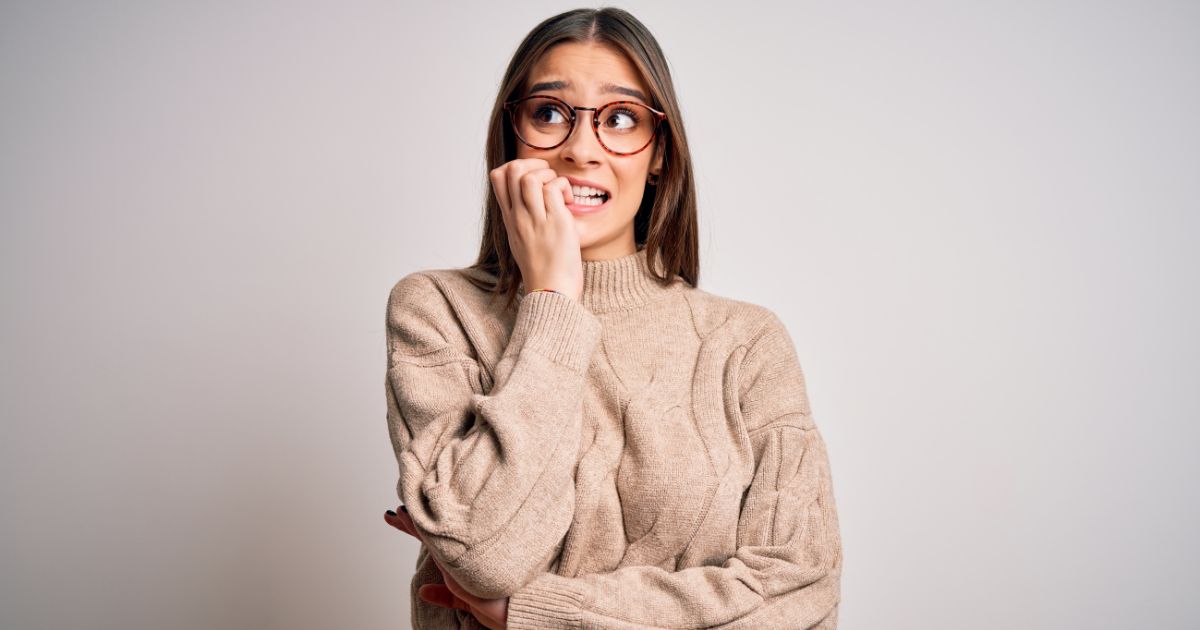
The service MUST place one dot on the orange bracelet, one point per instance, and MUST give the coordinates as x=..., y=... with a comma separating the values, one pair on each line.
x=550, y=290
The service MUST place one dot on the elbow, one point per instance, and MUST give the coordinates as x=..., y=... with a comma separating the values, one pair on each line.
x=492, y=576
x=486, y=575
x=492, y=554
x=506, y=562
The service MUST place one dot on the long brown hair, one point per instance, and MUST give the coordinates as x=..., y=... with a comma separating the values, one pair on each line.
x=665, y=223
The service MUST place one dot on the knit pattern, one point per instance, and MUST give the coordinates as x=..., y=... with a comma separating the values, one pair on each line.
x=643, y=457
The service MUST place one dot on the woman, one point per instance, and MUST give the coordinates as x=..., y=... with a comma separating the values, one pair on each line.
x=608, y=445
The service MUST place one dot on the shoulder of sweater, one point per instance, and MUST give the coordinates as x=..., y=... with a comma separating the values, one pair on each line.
x=746, y=321
x=442, y=285
x=770, y=383
x=422, y=313
x=418, y=291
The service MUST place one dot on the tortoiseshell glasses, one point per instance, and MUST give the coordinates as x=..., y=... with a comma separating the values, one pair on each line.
x=622, y=127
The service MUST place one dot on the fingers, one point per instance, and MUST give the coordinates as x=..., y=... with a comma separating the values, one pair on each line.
x=403, y=522
x=409, y=526
x=519, y=187
x=499, y=178
x=393, y=519
x=506, y=181
x=451, y=594
x=533, y=195
x=448, y=595
x=500, y=186
x=459, y=591
x=453, y=584
x=514, y=171
x=489, y=612
x=557, y=194
x=439, y=595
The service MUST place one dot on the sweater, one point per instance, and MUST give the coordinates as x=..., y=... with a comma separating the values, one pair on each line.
x=642, y=457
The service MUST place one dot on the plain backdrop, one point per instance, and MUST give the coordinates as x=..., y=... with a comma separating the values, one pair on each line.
x=979, y=222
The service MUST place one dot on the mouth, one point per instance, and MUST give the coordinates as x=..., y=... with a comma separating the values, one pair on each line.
x=589, y=196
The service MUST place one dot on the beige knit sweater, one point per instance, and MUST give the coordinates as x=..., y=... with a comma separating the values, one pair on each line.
x=644, y=457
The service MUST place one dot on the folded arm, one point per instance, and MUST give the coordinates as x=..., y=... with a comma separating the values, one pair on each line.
x=786, y=570
x=488, y=478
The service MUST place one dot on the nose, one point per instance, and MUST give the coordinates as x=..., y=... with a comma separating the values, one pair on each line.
x=583, y=147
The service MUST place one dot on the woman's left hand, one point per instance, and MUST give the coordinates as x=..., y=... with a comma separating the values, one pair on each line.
x=492, y=613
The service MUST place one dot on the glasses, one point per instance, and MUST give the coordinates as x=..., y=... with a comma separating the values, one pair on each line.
x=622, y=127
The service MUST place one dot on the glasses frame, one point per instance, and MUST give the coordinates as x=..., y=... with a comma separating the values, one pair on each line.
x=659, y=116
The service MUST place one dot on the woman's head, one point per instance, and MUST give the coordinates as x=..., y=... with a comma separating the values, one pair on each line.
x=587, y=58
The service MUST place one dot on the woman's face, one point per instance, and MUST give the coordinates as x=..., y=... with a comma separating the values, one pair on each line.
x=584, y=70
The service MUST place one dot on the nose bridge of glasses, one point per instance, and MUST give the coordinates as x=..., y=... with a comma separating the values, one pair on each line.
x=594, y=110
x=575, y=119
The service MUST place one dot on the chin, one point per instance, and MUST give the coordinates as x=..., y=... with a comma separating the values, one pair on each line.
x=590, y=238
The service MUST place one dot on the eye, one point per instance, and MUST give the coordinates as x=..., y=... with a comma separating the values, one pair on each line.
x=622, y=118
x=549, y=115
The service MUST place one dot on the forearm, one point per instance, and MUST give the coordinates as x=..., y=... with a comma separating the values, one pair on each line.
x=489, y=478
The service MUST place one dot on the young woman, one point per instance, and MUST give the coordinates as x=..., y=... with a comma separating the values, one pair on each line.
x=584, y=437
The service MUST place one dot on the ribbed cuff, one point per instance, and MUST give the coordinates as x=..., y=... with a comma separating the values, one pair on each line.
x=557, y=327
x=549, y=601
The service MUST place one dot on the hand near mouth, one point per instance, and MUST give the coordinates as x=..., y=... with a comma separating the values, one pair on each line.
x=542, y=232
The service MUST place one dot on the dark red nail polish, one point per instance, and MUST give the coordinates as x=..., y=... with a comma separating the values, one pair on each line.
x=391, y=513
x=405, y=508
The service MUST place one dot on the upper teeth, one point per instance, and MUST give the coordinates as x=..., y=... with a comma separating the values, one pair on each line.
x=586, y=191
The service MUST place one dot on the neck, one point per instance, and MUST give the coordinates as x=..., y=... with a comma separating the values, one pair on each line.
x=623, y=282
x=613, y=248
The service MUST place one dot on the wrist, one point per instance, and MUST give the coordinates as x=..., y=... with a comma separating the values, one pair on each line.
x=552, y=288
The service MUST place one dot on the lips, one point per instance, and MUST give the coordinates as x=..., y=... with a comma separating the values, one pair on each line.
x=590, y=205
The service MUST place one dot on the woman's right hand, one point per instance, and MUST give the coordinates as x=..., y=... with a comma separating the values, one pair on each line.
x=541, y=230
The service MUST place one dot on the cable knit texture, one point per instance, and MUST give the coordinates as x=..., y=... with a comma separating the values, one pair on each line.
x=643, y=457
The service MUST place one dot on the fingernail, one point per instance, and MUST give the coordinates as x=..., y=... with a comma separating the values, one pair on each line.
x=405, y=508
x=391, y=513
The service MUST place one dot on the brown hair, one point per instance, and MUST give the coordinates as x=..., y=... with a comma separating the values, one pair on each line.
x=665, y=224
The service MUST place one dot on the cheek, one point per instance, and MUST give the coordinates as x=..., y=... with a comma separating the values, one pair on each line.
x=633, y=179
x=631, y=200
x=635, y=202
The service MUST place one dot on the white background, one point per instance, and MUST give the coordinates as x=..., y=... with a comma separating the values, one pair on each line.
x=978, y=220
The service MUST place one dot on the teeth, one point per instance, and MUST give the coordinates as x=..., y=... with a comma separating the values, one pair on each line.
x=588, y=201
x=586, y=191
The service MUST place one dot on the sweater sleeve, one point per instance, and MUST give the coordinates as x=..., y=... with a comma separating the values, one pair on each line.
x=488, y=478
x=786, y=570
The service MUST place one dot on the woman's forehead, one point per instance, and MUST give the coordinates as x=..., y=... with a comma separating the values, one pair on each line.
x=585, y=68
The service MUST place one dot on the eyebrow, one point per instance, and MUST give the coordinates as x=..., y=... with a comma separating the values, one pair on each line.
x=605, y=88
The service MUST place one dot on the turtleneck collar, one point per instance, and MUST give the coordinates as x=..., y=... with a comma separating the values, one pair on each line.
x=622, y=282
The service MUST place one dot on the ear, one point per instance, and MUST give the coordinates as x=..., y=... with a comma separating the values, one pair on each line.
x=657, y=163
